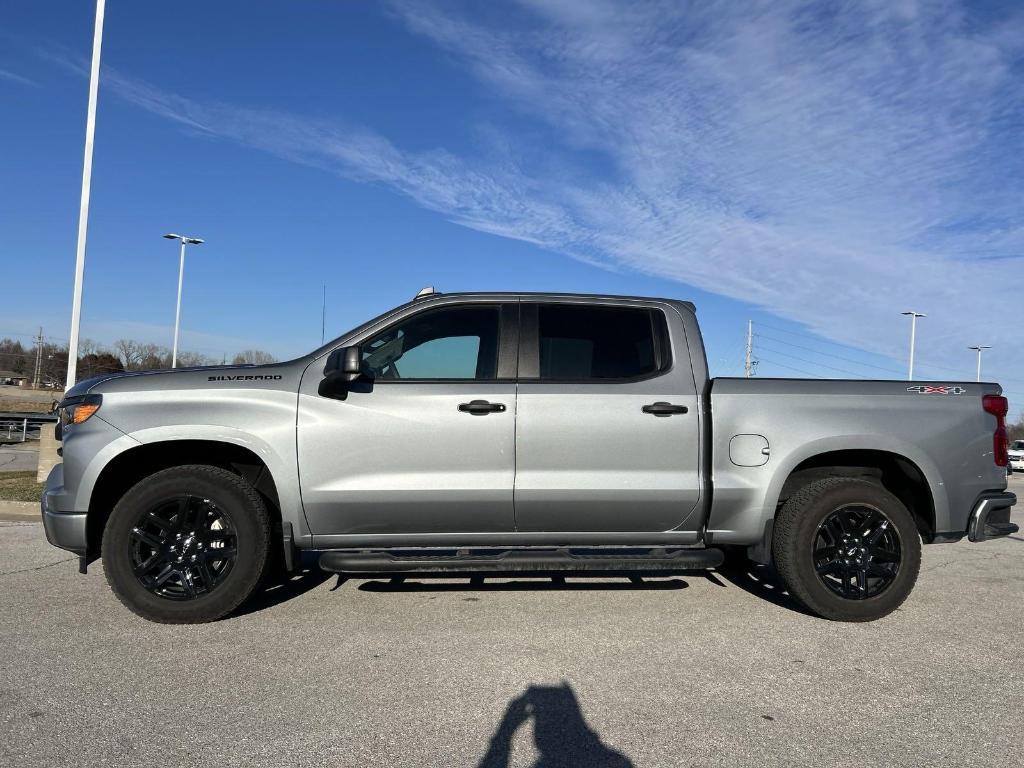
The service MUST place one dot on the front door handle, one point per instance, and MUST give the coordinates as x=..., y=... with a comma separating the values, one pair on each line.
x=481, y=407
x=664, y=409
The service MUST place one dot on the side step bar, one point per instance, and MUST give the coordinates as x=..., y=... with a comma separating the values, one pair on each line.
x=605, y=559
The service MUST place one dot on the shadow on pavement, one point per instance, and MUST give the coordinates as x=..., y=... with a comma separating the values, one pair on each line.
x=761, y=581
x=283, y=589
x=560, y=732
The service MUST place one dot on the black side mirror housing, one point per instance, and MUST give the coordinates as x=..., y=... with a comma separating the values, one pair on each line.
x=342, y=368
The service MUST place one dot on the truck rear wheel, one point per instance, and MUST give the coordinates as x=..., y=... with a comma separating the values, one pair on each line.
x=186, y=545
x=847, y=549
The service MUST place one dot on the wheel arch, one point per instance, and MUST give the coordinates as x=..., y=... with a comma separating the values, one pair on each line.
x=130, y=466
x=898, y=473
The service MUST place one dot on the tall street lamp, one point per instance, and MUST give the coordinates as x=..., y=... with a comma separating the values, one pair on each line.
x=978, y=349
x=913, y=332
x=184, y=240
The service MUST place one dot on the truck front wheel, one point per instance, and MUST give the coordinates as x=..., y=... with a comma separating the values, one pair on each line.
x=847, y=549
x=186, y=545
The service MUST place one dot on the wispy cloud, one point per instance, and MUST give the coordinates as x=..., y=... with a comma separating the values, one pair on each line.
x=831, y=164
x=14, y=77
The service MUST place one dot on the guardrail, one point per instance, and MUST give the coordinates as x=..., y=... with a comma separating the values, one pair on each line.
x=22, y=427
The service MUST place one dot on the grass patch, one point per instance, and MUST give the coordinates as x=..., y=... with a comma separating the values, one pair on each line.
x=20, y=486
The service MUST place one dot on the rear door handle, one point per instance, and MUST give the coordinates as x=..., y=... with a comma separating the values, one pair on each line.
x=664, y=409
x=481, y=407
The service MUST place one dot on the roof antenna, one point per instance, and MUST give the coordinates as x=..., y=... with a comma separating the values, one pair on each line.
x=424, y=292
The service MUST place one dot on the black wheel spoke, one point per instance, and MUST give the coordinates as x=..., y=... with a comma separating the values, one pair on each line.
x=184, y=513
x=145, y=567
x=162, y=523
x=162, y=577
x=829, y=566
x=879, y=554
x=875, y=535
x=214, y=555
x=186, y=582
x=146, y=538
x=206, y=578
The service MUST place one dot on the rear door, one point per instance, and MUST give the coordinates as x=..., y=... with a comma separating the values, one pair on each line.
x=607, y=427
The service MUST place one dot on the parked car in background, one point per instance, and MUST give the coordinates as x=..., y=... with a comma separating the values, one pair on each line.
x=1016, y=455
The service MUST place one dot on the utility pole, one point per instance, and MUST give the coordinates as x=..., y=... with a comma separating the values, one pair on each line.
x=748, y=368
x=83, y=211
x=37, y=377
x=978, y=349
x=913, y=332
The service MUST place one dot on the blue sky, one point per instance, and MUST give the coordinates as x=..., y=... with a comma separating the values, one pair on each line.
x=815, y=167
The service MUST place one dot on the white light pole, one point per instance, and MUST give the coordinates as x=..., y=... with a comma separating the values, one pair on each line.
x=978, y=349
x=184, y=240
x=913, y=334
x=83, y=210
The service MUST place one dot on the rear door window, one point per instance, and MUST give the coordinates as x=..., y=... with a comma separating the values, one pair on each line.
x=598, y=343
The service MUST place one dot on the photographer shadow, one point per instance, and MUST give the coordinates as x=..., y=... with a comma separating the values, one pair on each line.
x=561, y=733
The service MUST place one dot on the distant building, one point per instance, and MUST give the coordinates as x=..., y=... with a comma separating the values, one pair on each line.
x=10, y=377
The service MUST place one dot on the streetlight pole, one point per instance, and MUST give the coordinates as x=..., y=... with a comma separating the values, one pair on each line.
x=978, y=349
x=83, y=210
x=184, y=240
x=913, y=333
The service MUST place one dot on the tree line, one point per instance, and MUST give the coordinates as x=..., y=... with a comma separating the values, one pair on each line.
x=95, y=359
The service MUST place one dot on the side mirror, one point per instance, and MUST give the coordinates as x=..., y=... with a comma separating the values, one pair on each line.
x=342, y=368
x=352, y=363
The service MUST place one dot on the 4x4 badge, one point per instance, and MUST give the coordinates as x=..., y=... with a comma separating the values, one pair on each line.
x=936, y=389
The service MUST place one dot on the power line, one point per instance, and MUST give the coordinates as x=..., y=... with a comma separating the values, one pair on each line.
x=827, y=354
x=814, y=362
x=789, y=367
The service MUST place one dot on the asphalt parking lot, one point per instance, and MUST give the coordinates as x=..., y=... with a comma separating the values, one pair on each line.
x=698, y=669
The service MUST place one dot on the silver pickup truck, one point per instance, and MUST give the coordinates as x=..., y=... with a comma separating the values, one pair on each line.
x=502, y=433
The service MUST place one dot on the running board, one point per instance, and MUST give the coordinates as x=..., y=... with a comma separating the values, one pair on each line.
x=605, y=559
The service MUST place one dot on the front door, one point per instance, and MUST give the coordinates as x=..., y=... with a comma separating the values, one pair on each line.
x=608, y=424
x=424, y=442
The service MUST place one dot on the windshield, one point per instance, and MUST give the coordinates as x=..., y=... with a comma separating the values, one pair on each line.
x=1017, y=445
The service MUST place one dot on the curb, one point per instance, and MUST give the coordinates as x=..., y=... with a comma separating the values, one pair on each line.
x=20, y=510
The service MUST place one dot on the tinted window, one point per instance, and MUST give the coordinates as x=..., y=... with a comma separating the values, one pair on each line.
x=455, y=343
x=581, y=342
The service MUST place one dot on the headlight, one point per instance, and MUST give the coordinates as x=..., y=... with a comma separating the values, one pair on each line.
x=78, y=410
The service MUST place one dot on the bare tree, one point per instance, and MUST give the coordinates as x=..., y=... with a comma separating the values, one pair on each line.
x=253, y=357
x=193, y=359
x=1016, y=429
x=130, y=352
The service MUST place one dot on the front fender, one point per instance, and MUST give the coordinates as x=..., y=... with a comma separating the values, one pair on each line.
x=282, y=467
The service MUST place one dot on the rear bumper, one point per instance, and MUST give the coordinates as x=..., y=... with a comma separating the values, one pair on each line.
x=990, y=518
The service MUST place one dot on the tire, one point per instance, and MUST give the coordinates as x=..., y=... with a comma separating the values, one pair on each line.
x=840, y=575
x=197, y=535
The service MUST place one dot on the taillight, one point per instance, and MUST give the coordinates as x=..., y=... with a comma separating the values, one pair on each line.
x=998, y=406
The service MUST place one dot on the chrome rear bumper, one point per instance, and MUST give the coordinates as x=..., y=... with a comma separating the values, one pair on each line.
x=991, y=517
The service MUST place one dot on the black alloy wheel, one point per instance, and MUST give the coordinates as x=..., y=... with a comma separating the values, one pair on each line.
x=183, y=547
x=857, y=551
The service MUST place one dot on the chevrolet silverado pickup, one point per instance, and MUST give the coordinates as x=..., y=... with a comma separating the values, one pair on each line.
x=508, y=433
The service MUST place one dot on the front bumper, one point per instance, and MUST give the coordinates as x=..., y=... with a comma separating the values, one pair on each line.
x=990, y=518
x=66, y=530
